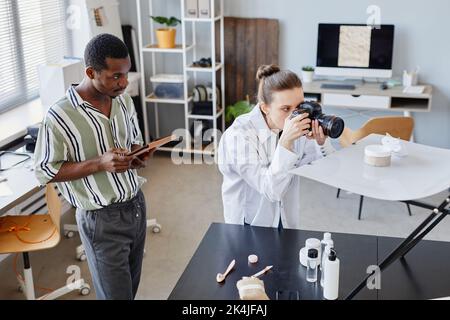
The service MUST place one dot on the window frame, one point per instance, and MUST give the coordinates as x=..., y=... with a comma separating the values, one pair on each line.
x=16, y=33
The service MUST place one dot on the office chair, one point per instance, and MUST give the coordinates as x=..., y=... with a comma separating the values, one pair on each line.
x=398, y=127
x=23, y=234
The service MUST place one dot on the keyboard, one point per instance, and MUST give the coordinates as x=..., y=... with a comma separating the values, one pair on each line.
x=338, y=86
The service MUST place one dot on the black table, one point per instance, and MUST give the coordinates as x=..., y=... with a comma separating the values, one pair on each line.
x=423, y=274
x=420, y=276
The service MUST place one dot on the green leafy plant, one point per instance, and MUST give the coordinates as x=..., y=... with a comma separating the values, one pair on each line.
x=308, y=68
x=239, y=108
x=169, y=22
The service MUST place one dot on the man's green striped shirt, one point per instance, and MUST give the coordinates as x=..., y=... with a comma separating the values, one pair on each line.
x=73, y=130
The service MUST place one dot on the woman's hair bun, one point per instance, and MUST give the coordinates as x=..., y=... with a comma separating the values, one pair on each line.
x=265, y=71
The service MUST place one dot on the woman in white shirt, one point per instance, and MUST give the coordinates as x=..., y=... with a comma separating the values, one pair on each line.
x=255, y=162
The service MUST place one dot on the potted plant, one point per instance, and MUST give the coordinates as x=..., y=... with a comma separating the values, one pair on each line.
x=307, y=73
x=166, y=36
x=239, y=108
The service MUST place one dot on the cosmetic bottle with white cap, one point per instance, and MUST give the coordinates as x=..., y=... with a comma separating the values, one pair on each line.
x=326, y=242
x=331, y=283
x=326, y=253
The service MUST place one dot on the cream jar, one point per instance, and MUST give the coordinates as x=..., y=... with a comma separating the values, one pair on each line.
x=377, y=156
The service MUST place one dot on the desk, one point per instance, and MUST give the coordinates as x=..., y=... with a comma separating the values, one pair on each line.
x=22, y=182
x=423, y=274
x=224, y=242
x=14, y=123
x=424, y=172
x=370, y=96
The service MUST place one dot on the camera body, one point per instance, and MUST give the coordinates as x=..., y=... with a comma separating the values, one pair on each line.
x=332, y=126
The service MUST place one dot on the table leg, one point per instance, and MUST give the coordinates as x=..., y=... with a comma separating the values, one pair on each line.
x=361, y=199
x=410, y=241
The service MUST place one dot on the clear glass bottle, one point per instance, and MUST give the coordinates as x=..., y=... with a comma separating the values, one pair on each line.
x=312, y=264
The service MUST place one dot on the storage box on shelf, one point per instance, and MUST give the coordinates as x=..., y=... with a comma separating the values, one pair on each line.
x=168, y=86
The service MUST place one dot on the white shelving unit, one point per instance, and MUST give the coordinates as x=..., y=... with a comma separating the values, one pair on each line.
x=185, y=47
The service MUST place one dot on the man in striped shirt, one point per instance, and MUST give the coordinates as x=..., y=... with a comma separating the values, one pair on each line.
x=82, y=147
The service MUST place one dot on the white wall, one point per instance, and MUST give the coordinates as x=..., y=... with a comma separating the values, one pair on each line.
x=85, y=28
x=421, y=39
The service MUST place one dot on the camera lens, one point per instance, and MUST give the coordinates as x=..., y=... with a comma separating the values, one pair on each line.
x=332, y=126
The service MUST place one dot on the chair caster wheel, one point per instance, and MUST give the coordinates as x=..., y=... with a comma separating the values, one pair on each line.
x=156, y=228
x=69, y=234
x=85, y=289
x=81, y=253
x=81, y=256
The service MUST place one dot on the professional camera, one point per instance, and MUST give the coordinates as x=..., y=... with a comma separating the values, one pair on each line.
x=332, y=126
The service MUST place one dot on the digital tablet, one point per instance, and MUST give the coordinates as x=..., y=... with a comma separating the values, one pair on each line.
x=152, y=145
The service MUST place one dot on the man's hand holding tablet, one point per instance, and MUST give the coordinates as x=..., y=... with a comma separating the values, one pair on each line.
x=141, y=154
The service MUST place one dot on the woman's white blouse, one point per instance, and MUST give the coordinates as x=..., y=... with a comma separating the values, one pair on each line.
x=257, y=186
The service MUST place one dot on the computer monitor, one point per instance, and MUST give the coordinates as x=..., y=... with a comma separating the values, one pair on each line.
x=355, y=50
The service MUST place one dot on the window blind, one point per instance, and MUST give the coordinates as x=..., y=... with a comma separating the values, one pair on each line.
x=32, y=32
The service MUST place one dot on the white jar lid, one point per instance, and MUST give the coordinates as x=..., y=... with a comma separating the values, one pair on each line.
x=253, y=258
x=377, y=150
x=312, y=243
